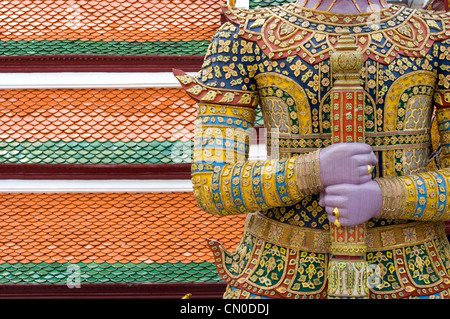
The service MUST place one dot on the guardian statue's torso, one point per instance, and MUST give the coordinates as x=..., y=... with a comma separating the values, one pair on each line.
x=278, y=59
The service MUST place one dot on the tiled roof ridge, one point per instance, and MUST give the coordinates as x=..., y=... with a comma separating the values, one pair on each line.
x=97, y=126
x=110, y=228
x=157, y=291
x=105, y=273
x=92, y=115
x=158, y=171
x=95, y=20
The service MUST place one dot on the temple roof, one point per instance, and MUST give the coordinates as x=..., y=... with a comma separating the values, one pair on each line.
x=112, y=237
x=96, y=126
x=92, y=27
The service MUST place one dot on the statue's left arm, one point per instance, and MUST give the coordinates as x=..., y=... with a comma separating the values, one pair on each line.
x=419, y=196
x=425, y=196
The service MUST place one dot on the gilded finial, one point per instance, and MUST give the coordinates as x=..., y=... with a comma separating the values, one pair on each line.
x=346, y=61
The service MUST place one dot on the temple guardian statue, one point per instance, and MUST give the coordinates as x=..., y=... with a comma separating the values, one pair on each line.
x=352, y=199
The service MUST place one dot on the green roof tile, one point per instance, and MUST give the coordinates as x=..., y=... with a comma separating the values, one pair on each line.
x=88, y=153
x=112, y=48
x=56, y=273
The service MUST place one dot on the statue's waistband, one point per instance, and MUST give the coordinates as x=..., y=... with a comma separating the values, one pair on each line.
x=318, y=240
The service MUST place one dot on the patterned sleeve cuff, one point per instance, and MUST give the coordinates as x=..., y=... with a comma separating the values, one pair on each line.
x=394, y=197
x=308, y=173
x=422, y=196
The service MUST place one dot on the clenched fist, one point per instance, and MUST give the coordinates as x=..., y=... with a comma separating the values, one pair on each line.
x=356, y=203
x=346, y=163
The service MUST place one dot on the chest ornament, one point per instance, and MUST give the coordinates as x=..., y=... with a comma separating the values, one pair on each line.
x=290, y=30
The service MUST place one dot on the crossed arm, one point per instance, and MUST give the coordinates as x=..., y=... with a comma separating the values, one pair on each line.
x=422, y=196
x=226, y=182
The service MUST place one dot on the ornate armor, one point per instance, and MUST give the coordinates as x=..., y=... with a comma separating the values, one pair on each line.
x=278, y=58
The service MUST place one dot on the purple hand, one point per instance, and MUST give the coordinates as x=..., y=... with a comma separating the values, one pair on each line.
x=346, y=163
x=356, y=203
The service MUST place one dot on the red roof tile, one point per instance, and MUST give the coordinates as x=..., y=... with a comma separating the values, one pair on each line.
x=95, y=20
x=110, y=227
x=95, y=115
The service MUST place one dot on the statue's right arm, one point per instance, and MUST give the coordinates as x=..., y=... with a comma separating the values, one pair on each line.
x=224, y=180
x=425, y=196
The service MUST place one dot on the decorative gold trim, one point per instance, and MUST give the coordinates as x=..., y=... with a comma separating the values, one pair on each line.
x=300, y=98
x=307, y=170
x=288, y=236
x=398, y=235
x=394, y=196
x=390, y=24
x=318, y=240
x=395, y=93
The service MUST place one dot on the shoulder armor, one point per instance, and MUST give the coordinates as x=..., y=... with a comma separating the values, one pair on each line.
x=289, y=30
x=203, y=93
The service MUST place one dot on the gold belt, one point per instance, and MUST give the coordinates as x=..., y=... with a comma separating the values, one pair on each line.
x=317, y=240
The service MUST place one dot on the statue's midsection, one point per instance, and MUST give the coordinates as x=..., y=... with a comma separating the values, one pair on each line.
x=398, y=110
x=398, y=155
x=305, y=213
x=396, y=126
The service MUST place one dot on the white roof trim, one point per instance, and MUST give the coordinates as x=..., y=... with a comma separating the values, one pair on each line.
x=95, y=186
x=88, y=80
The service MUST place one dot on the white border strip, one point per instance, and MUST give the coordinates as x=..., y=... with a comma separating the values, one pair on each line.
x=88, y=80
x=95, y=186
x=257, y=152
x=242, y=4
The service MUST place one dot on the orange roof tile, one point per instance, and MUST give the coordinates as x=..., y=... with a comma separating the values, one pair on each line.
x=122, y=227
x=95, y=20
x=96, y=115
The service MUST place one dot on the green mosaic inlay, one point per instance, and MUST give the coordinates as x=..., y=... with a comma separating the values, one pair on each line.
x=259, y=120
x=93, y=273
x=254, y=4
x=66, y=47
